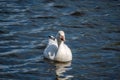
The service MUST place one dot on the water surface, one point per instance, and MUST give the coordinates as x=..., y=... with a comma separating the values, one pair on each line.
x=92, y=30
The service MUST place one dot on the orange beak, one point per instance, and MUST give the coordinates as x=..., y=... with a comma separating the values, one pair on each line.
x=62, y=38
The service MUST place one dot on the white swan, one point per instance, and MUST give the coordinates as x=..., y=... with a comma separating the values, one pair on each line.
x=57, y=50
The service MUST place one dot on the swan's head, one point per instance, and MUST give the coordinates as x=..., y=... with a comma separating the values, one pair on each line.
x=61, y=36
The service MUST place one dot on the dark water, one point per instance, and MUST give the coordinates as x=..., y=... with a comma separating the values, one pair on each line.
x=92, y=30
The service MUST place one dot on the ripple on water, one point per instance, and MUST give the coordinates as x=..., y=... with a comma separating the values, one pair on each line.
x=92, y=33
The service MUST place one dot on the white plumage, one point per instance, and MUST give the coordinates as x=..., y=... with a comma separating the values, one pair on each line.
x=51, y=49
x=57, y=50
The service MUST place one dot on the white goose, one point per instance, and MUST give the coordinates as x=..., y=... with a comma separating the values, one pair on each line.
x=57, y=50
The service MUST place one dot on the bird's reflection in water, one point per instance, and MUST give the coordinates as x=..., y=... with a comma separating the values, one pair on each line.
x=61, y=70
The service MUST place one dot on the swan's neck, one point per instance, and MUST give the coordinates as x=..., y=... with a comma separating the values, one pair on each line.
x=60, y=43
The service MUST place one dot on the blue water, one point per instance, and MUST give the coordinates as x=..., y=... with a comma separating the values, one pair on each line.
x=92, y=30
